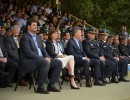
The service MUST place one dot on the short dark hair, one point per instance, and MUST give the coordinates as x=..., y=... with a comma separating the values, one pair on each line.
x=66, y=33
x=30, y=21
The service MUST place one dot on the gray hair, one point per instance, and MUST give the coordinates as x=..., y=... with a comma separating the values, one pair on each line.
x=16, y=27
x=75, y=29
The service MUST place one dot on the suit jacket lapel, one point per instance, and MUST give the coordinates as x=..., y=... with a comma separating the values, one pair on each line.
x=13, y=41
x=76, y=44
x=80, y=46
x=32, y=43
x=38, y=42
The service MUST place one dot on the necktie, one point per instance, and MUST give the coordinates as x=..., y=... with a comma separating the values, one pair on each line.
x=1, y=54
x=39, y=50
x=78, y=42
x=17, y=43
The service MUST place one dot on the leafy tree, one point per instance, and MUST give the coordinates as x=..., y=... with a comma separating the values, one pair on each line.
x=100, y=13
x=80, y=8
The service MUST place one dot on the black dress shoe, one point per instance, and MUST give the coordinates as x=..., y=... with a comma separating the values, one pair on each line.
x=123, y=80
x=42, y=91
x=100, y=83
x=88, y=83
x=106, y=82
x=114, y=80
x=53, y=89
x=2, y=85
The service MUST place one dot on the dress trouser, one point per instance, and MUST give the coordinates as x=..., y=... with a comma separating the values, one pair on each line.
x=10, y=67
x=44, y=67
x=123, y=67
x=106, y=68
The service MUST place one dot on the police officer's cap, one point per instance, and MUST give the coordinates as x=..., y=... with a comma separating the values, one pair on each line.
x=8, y=28
x=104, y=31
x=63, y=30
x=91, y=30
x=44, y=30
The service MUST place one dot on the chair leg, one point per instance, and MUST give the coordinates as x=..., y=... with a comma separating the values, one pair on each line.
x=34, y=86
x=117, y=73
x=30, y=84
x=109, y=79
x=60, y=83
x=19, y=78
x=79, y=77
x=80, y=82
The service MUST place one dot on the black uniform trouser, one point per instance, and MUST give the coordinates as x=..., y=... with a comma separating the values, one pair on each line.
x=106, y=68
x=123, y=65
x=10, y=67
x=115, y=68
x=128, y=59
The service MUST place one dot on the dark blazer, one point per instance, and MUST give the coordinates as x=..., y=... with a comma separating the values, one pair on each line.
x=108, y=50
x=92, y=49
x=73, y=49
x=3, y=49
x=123, y=50
x=128, y=48
x=116, y=50
x=50, y=49
x=28, y=51
x=11, y=47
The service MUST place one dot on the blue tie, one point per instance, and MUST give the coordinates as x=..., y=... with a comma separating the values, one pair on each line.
x=38, y=49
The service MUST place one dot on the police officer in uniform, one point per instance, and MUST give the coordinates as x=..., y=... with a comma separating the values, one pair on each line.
x=123, y=48
x=44, y=34
x=123, y=61
x=108, y=53
x=92, y=49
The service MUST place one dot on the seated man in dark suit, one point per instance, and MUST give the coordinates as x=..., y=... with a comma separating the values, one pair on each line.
x=12, y=47
x=7, y=67
x=34, y=56
x=12, y=44
x=74, y=47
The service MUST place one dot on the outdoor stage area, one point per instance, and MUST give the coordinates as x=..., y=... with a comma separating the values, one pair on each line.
x=112, y=91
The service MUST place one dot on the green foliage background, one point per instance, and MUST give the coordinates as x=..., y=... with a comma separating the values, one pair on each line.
x=100, y=13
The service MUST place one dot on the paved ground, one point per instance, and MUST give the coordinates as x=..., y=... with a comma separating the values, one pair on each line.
x=113, y=91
